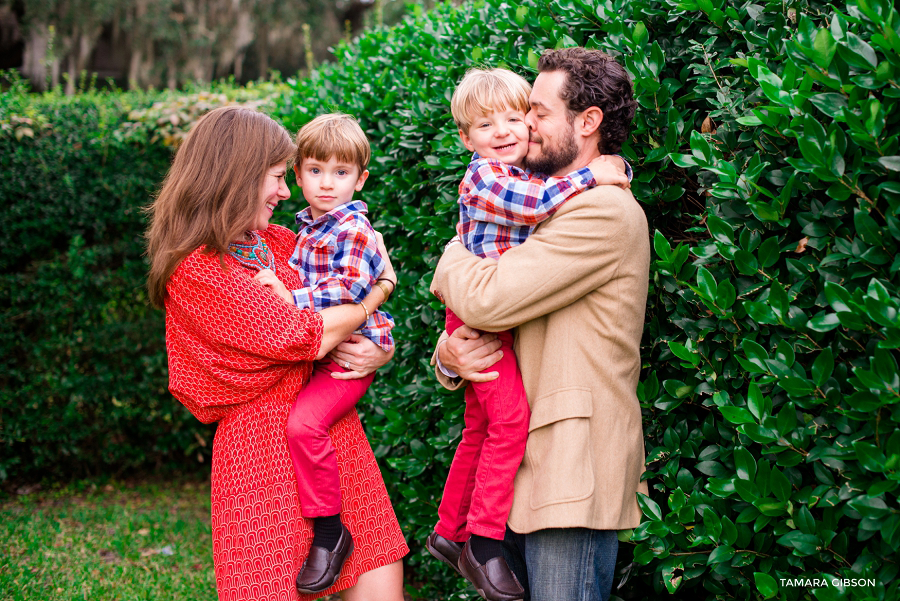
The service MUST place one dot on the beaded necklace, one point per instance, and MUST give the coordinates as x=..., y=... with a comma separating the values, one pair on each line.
x=254, y=253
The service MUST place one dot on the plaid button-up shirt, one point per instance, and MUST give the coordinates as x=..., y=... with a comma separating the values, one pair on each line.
x=337, y=255
x=500, y=205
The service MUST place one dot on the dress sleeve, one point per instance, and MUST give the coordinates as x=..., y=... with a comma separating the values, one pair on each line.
x=235, y=314
x=354, y=267
x=497, y=194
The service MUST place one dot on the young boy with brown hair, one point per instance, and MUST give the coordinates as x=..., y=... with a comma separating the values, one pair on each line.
x=337, y=255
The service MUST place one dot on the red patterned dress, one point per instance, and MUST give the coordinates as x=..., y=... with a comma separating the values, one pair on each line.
x=238, y=354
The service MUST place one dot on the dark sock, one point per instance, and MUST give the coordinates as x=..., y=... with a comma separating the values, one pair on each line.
x=326, y=531
x=484, y=548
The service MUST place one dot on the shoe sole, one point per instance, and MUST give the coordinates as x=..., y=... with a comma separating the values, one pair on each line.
x=308, y=591
x=440, y=556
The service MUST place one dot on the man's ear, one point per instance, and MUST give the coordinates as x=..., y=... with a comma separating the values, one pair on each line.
x=588, y=121
x=467, y=142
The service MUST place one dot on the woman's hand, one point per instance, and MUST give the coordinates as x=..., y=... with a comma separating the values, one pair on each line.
x=267, y=278
x=359, y=355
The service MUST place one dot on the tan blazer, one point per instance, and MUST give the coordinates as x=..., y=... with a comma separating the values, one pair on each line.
x=576, y=291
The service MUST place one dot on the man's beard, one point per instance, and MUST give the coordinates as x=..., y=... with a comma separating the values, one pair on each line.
x=556, y=158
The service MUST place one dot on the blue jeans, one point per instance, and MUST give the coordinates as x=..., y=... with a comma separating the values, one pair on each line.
x=563, y=564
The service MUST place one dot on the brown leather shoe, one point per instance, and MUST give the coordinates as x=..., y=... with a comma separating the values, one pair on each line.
x=444, y=549
x=494, y=580
x=322, y=567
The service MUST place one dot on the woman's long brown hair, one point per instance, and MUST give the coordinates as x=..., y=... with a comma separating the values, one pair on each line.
x=211, y=192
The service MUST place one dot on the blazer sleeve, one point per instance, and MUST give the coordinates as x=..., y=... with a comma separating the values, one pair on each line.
x=575, y=252
x=444, y=380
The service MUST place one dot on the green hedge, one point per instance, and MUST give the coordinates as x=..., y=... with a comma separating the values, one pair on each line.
x=766, y=155
x=83, y=368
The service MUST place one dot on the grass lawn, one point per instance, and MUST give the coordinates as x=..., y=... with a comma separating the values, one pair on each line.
x=146, y=541
x=127, y=542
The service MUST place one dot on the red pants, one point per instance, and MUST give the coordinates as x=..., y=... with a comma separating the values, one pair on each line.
x=318, y=407
x=479, y=490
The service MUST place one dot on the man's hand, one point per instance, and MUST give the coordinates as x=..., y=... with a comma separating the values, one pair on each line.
x=267, y=278
x=468, y=352
x=609, y=170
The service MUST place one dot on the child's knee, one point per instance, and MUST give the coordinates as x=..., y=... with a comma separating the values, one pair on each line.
x=300, y=425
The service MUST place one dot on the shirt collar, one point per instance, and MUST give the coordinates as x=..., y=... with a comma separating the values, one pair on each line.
x=513, y=169
x=336, y=214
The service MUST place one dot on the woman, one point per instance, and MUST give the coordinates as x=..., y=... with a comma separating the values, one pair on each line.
x=238, y=354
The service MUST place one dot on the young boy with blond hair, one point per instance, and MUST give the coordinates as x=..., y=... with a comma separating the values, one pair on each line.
x=337, y=255
x=501, y=202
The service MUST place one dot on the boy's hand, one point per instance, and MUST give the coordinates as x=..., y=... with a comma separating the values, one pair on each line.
x=267, y=278
x=609, y=170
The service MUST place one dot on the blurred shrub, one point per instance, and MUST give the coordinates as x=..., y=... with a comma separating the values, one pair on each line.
x=83, y=372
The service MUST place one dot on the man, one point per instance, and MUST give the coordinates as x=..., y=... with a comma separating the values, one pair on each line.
x=576, y=291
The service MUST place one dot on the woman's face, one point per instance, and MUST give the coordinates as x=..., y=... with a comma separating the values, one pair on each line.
x=274, y=190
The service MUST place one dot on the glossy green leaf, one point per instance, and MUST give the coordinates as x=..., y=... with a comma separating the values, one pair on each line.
x=859, y=47
x=719, y=229
x=737, y=415
x=706, y=284
x=746, y=262
x=823, y=367
x=829, y=103
x=891, y=163
x=839, y=299
x=765, y=584
x=662, y=246
x=805, y=521
x=720, y=554
x=780, y=485
x=755, y=401
x=867, y=228
x=744, y=463
x=768, y=252
x=869, y=456
x=681, y=351
x=649, y=507
x=786, y=420
x=725, y=295
x=804, y=544
x=824, y=48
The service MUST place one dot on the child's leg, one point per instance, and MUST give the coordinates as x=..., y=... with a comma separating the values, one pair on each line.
x=454, y=505
x=319, y=406
x=507, y=412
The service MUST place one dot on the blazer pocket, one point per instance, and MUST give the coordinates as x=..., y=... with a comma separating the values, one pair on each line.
x=559, y=447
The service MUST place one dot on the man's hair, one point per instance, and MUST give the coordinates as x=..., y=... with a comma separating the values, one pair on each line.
x=593, y=78
x=484, y=91
x=212, y=191
x=333, y=135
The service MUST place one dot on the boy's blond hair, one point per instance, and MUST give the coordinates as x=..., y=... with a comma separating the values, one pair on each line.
x=484, y=91
x=333, y=135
